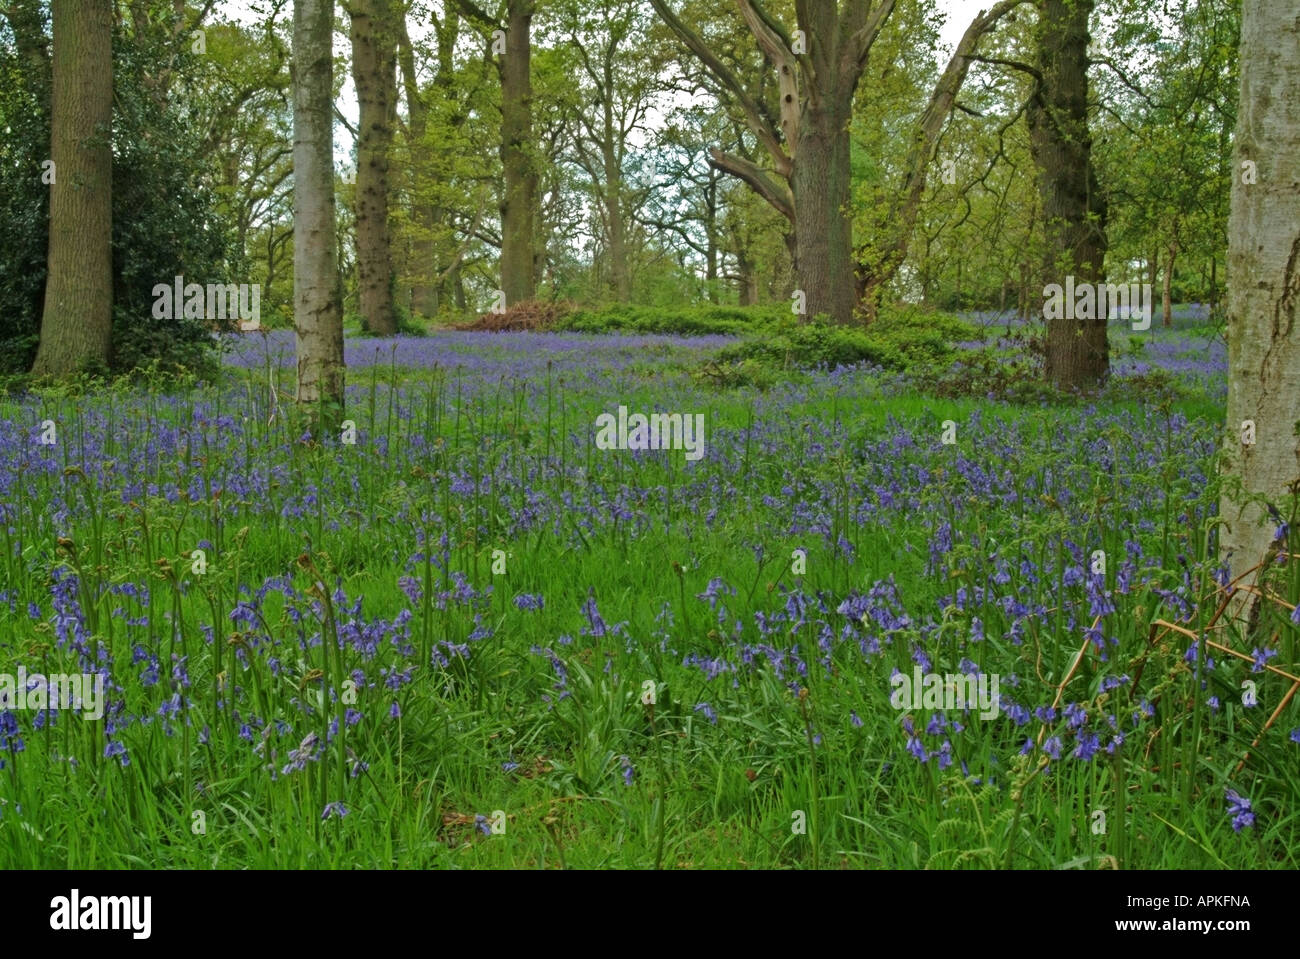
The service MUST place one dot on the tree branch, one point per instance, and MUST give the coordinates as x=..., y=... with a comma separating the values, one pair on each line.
x=763, y=130
x=860, y=43
x=774, y=192
x=773, y=41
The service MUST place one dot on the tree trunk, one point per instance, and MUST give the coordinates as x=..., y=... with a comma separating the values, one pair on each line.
x=1264, y=284
x=711, y=251
x=1166, y=293
x=374, y=65
x=1074, y=212
x=318, y=314
x=620, y=275
x=1214, y=288
x=746, y=280
x=77, y=322
x=519, y=200
x=422, y=266
x=819, y=180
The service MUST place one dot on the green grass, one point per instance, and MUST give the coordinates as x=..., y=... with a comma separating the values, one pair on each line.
x=503, y=463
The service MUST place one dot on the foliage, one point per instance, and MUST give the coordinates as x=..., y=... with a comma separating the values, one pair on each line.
x=682, y=321
x=901, y=339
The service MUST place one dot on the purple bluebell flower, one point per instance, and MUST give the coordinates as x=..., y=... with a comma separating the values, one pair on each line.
x=1261, y=657
x=1087, y=747
x=1240, y=811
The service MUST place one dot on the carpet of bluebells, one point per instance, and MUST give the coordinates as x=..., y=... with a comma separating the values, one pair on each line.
x=459, y=634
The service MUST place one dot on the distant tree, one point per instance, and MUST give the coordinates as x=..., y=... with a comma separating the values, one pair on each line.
x=1074, y=208
x=819, y=65
x=519, y=188
x=615, y=85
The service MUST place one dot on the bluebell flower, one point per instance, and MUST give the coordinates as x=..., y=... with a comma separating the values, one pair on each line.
x=945, y=755
x=916, y=749
x=334, y=809
x=115, y=748
x=1240, y=811
x=1261, y=656
x=1087, y=747
x=716, y=588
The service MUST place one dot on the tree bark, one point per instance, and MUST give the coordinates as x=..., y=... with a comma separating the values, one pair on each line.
x=820, y=181
x=77, y=321
x=374, y=65
x=1074, y=211
x=1264, y=285
x=1166, y=293
x=422, y=267
x=318, y=314
x=519, y=200
x=620, y=274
